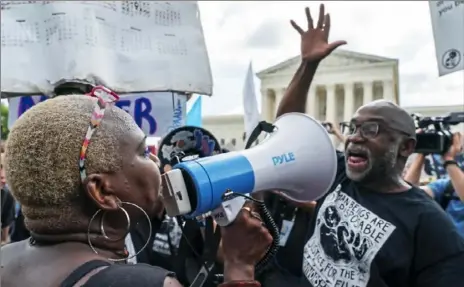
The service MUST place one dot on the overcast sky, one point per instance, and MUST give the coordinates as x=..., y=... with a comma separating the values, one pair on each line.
x=237, y=32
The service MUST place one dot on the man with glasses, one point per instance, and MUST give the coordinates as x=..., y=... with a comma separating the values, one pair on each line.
x=373, y=228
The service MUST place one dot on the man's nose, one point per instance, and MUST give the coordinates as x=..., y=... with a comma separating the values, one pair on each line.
x=355, y=137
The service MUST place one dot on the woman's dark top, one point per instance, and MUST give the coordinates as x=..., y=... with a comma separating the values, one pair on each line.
x=8, y=208
x=138, y=275
x=19, y=232
x=181, y=259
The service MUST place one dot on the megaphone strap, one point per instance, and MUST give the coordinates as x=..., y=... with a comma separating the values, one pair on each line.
x=212, y=240
x=263, y=126
x=211, y=245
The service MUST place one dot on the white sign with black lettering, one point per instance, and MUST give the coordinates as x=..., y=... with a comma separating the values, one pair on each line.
x=448, y=30
x=346, y=239
x=128, y=46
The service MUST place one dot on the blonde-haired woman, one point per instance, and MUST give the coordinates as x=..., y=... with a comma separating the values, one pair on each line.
x=82, y=172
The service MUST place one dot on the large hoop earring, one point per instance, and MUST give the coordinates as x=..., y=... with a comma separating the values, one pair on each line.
x=127, y=231
x=102, y=228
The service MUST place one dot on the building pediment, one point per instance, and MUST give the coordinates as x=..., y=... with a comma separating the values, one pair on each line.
x=339, y=58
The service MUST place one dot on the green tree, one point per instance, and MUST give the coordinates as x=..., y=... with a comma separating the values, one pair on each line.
x=4, y=120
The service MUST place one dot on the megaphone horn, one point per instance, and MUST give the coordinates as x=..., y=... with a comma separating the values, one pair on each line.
x=298, y=159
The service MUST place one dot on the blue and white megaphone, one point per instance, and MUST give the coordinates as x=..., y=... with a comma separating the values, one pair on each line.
x=297, y=158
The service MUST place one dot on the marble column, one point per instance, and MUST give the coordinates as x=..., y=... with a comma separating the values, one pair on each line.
x=312, y=103
x=279, y=94
x=368, y=92
x=331, y=101
x=265, y=105
x=388, y=91
x=349, y=102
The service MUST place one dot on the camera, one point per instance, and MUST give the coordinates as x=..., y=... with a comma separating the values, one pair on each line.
x=436, y=136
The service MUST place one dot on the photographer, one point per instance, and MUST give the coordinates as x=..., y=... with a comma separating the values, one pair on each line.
x=448, y=191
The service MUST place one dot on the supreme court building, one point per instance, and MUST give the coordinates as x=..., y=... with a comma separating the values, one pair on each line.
x=344, y=81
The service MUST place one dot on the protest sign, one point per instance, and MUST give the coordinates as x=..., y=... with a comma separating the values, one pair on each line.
x=128, y=46
x=155, y=113
x=448, y=30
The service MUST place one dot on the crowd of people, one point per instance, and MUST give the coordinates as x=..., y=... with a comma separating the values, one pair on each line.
x=97, y=219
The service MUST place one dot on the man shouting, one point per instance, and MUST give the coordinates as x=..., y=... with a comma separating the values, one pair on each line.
x=373, y=229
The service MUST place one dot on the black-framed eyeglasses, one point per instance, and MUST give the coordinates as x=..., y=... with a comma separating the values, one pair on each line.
x=368, y=130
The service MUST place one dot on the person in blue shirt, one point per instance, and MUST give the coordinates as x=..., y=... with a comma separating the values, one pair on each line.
x=454, y=207
x=433, y=165
x=448, y=189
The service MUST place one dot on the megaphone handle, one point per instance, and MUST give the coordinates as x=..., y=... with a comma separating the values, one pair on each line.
x=226, y=213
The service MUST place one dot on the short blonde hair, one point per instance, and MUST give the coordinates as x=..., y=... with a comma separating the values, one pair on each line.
x=42, y=153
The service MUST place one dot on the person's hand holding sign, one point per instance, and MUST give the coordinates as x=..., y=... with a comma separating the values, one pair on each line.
x=314, y=41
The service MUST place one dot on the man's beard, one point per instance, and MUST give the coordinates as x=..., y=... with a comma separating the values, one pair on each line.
x=377, y=167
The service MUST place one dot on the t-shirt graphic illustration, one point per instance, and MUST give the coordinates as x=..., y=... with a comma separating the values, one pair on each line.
x=168, y=237
x=345, y=241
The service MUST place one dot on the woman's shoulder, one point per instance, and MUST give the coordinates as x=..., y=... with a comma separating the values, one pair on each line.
x=130, y=275
x=14, y=251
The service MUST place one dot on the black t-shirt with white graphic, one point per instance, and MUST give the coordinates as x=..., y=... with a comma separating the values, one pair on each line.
x=365, y=238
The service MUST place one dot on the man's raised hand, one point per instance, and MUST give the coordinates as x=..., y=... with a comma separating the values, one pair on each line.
x=314, y=41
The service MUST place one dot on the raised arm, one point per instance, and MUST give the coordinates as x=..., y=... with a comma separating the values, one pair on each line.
x=314, y=48
x=414, y=171
x=456, y=175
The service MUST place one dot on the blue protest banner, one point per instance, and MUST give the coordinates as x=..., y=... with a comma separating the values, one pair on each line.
x=194, y=115
x=155, y=113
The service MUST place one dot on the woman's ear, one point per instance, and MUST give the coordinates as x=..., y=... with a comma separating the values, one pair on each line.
x=98, y=188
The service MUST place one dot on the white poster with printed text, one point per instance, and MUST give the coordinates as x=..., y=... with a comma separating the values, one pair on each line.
x=128, y=46
x=448, y=32
x=155, y=113
x=346, y=239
